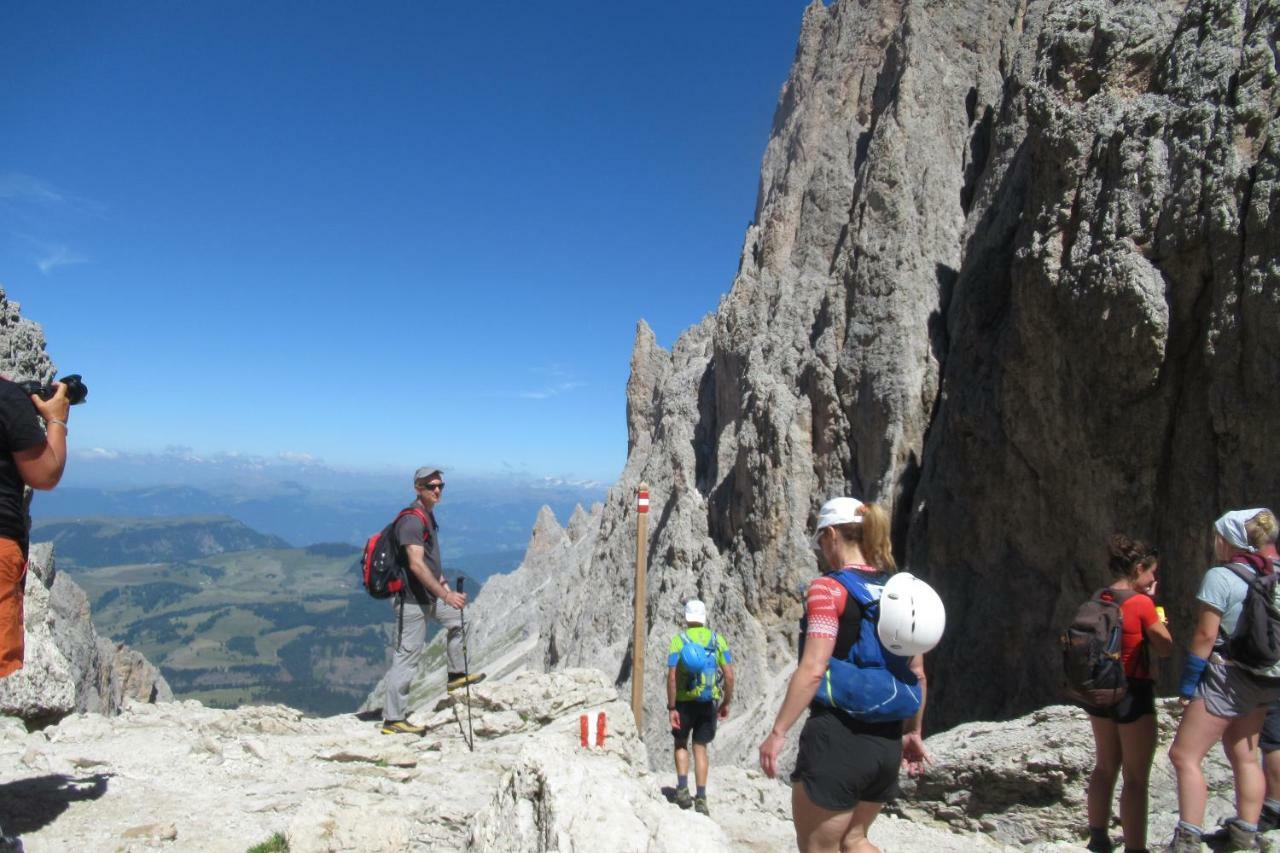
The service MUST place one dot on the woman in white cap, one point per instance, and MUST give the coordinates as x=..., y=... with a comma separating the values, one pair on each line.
x=1225, y=699
x=847, y=767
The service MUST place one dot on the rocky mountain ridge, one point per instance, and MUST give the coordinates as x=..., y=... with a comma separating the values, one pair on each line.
x=1013, y=274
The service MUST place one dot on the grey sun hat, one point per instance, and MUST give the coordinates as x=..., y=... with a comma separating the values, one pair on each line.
x=424, y=472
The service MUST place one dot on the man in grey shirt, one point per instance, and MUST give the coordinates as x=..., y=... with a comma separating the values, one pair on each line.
x=426, y=596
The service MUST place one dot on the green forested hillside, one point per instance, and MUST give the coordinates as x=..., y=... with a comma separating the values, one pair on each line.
x=232, y=616
x=274, y=625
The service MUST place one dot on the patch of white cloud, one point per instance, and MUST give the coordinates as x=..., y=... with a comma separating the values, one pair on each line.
x=17, y=186
x=97, y=453
x=550, y=391
x=54, y=256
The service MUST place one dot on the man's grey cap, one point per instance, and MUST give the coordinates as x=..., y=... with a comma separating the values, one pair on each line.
x=423, y=473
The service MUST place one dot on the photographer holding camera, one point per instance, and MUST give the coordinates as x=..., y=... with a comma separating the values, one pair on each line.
x=31, y=457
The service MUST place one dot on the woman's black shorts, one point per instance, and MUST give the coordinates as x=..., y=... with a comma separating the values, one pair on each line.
x=1139, y=700
x=843, y=762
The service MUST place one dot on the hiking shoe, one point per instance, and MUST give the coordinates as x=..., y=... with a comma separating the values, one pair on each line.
x=1268, y=821
x=1100, y=847
x=401, y=727
x=1184, y=841
x=1241, y=838
x=683, y=799
x=700, y=806
x=463, y=681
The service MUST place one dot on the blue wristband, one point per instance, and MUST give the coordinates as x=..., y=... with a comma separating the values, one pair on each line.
x=1192, y=669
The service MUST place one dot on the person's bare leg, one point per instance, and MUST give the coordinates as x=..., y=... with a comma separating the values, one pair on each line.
x=1197, y=733
x=1137, y=748
x=1106, y=769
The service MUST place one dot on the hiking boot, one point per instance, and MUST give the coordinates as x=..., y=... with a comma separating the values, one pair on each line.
x=1268, y=821
x=700, y=806
x=1241, y=838
x=402, y=727
x=1184, y=841
x=683, y=799
x=463, y=680
x=1099, y=842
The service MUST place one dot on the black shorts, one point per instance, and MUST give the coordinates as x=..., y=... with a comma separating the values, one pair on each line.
x=843, y=762
x=1139, y=700
x=1270, y=739
x=698, y=718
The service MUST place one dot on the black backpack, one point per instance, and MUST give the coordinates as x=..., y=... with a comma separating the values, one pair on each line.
x=1091, y=650
x=1255, y=643
x=383, y=564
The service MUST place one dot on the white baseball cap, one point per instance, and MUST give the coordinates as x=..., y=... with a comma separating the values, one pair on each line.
x=695, y=611
x=837, y=511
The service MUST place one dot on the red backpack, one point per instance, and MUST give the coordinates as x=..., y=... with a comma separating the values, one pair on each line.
x=384, y=564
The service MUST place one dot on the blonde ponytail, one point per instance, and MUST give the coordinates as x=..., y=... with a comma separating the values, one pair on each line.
x=1261, y=529
x=876, y=546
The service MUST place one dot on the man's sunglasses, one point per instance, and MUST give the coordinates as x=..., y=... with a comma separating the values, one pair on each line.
x=434, y=487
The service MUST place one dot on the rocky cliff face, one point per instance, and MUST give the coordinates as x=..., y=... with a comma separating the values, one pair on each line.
x=1013, y=273
x=67, y=666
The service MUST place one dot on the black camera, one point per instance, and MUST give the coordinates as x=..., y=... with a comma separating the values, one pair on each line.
x=76, y=389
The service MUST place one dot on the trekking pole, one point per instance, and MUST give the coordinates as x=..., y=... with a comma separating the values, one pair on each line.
x=466, y=672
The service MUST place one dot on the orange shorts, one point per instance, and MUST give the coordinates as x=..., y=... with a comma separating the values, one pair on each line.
x=13, y=571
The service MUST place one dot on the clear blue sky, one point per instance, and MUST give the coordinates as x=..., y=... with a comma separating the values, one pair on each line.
x=377, y=232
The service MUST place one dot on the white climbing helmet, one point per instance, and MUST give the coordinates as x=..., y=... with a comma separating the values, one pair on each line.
x=912, y=617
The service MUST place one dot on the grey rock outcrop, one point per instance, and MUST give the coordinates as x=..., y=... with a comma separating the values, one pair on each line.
x=197, y=778
x=194, y=778
x=68, y=667
x=1013, y=274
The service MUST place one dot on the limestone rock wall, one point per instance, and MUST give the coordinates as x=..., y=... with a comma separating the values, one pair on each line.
x=1013, y=274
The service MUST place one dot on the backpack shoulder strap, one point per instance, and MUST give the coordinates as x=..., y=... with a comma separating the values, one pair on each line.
x=413, y=510
x=1240, y=570
x=1119, y=596
x=856, y=586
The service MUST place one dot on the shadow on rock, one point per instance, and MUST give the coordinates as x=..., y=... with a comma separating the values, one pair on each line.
x=28, y=805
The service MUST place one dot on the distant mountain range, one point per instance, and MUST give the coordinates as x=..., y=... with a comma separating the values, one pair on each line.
x=476, y=516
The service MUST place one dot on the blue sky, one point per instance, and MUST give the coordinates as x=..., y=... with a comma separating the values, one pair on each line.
x=377, y=234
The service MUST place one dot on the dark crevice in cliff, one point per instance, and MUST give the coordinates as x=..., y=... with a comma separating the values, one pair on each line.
x=979, y=151
x=705, y=431
x=624, y=669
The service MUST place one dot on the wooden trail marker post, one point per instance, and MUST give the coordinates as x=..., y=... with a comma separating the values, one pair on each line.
x=637, y=639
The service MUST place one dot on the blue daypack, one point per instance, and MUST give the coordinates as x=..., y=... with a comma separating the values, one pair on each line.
x=700, y=667
x=871, y=683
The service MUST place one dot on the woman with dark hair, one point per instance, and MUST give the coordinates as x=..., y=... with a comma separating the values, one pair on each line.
x=1124, y=735
x=847, y=768
x=1225, y=700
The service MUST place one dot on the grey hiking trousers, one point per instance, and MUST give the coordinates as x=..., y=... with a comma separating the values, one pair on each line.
x=410, y=639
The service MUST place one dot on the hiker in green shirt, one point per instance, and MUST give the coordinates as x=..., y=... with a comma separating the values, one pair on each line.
x=699, y=688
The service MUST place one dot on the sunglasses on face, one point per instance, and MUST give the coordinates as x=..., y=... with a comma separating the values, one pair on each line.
x=433, y=487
